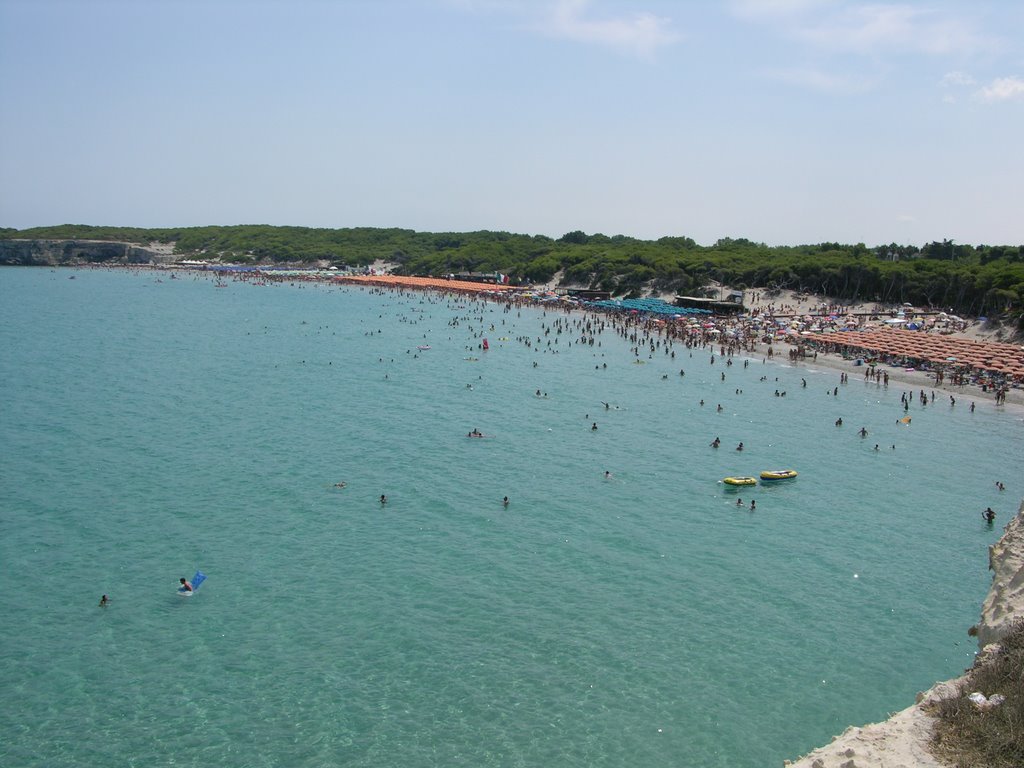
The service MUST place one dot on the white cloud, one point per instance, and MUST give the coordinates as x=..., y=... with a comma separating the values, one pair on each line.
x=846, y=26
x=641, y=34
x=893, y=28
x=957, y=78
x=1002, y=89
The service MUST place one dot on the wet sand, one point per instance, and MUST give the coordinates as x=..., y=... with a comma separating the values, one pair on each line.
x=910, y=380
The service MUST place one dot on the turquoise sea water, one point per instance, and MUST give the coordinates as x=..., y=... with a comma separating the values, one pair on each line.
x=151, y=428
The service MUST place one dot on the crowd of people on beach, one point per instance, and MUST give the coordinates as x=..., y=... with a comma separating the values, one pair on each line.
x=757, y=331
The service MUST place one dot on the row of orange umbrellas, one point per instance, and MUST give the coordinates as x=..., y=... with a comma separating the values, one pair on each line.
x=958, y=352
x=423, y=282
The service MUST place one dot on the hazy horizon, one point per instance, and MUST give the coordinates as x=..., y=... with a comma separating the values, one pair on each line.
x=784, y=122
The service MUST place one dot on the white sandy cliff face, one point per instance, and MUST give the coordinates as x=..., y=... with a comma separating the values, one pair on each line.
x=1005, y=601
x=902, y=740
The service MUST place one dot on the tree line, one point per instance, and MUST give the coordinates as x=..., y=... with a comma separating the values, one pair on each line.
x=969, y=279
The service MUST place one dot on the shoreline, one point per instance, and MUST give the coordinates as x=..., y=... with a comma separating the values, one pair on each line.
x=915, y=380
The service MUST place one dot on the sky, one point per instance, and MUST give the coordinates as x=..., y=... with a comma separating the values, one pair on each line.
x=782, y=121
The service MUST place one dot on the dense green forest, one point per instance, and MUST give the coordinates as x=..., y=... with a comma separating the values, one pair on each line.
x=971, y=279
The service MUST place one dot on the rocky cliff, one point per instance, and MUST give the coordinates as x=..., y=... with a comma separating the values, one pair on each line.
x=903, y=740
x=1005, y=601
x=68, y=252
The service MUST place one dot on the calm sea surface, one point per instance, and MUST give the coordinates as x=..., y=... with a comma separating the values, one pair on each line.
x=149, y=428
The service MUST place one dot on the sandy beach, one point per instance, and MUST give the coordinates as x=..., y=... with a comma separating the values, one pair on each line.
x=787, y=303
x=911, y=380
x=781, y=304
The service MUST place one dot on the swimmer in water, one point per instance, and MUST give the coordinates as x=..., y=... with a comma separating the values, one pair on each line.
x=185, y=586
x=504, y=502
x=105, y=601
x=716, y=442
x=739, y=447
x=753, y=505
x=340, y=485
x=988, y=516
x=383, y=499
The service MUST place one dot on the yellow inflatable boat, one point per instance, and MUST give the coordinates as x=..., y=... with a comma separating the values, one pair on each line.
x=778, y=474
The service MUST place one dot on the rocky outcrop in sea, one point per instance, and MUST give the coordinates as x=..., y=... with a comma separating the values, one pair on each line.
x=51, y=253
